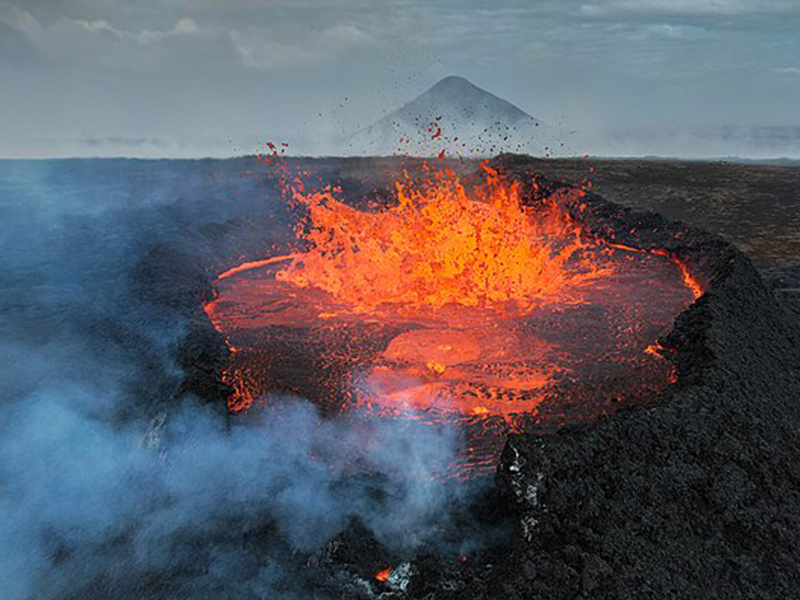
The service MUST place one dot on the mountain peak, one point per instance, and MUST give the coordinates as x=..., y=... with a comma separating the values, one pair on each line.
x=456, y=117
x=456, y=90
x=454, y=81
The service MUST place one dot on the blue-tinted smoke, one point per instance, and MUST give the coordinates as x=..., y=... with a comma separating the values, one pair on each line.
x=108, y=482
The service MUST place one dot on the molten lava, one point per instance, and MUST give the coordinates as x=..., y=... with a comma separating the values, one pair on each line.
x=457, y=304
x=442, y=245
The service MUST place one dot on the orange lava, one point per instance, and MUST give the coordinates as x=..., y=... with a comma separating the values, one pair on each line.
x=457, y=303
x=383, y=575
x=254, y=264
x=689, y=280
x=473, y=371
x=442, y=245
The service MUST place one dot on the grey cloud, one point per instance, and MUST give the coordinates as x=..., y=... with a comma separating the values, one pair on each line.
x=103, y=41
x=16, y=48
x=20, y=20
x=191, y=69
x=687, y=7
x=669, y=31
x=262, y=52
x=85, y=41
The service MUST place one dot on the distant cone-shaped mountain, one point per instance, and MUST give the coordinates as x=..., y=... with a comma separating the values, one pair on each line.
x=455, y=117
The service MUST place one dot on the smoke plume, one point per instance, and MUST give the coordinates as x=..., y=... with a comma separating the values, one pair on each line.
x=110, y=484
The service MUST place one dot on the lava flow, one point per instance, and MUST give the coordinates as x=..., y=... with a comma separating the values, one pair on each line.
x=455, y=303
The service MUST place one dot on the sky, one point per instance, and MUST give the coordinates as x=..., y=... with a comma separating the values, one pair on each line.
x=196, y=77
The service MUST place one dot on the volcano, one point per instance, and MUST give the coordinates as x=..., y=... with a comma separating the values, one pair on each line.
x=658, y=443
x=457, y=118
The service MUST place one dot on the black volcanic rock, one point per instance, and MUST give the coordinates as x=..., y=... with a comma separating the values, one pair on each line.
x=698, y=498
x=785, y=284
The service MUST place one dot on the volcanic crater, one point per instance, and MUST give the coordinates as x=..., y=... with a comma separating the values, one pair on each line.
x=494, y=303
x=678, y=329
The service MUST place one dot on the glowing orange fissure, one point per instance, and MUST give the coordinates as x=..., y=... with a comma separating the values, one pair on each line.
x=439, y=245
x=689, y=280
x=254, y=264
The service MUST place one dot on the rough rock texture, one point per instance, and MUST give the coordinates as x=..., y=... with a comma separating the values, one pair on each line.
x=697, y=498
x=785, y=284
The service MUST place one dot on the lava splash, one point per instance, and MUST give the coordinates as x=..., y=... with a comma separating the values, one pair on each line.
x=441, y=245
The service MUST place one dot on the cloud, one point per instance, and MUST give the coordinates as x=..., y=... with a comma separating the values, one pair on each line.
x=786, y=70
x=88, y=41
x=275, y=66
x=669, y=31
x=259, y=52
x=344, y=36
x=20, y=20
x=63, y=26
x=183, y=27
x=266, y=46
x=684, y=7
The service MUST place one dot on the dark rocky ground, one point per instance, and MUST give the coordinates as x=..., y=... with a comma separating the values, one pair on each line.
x=754, y=206
x=698, y=497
